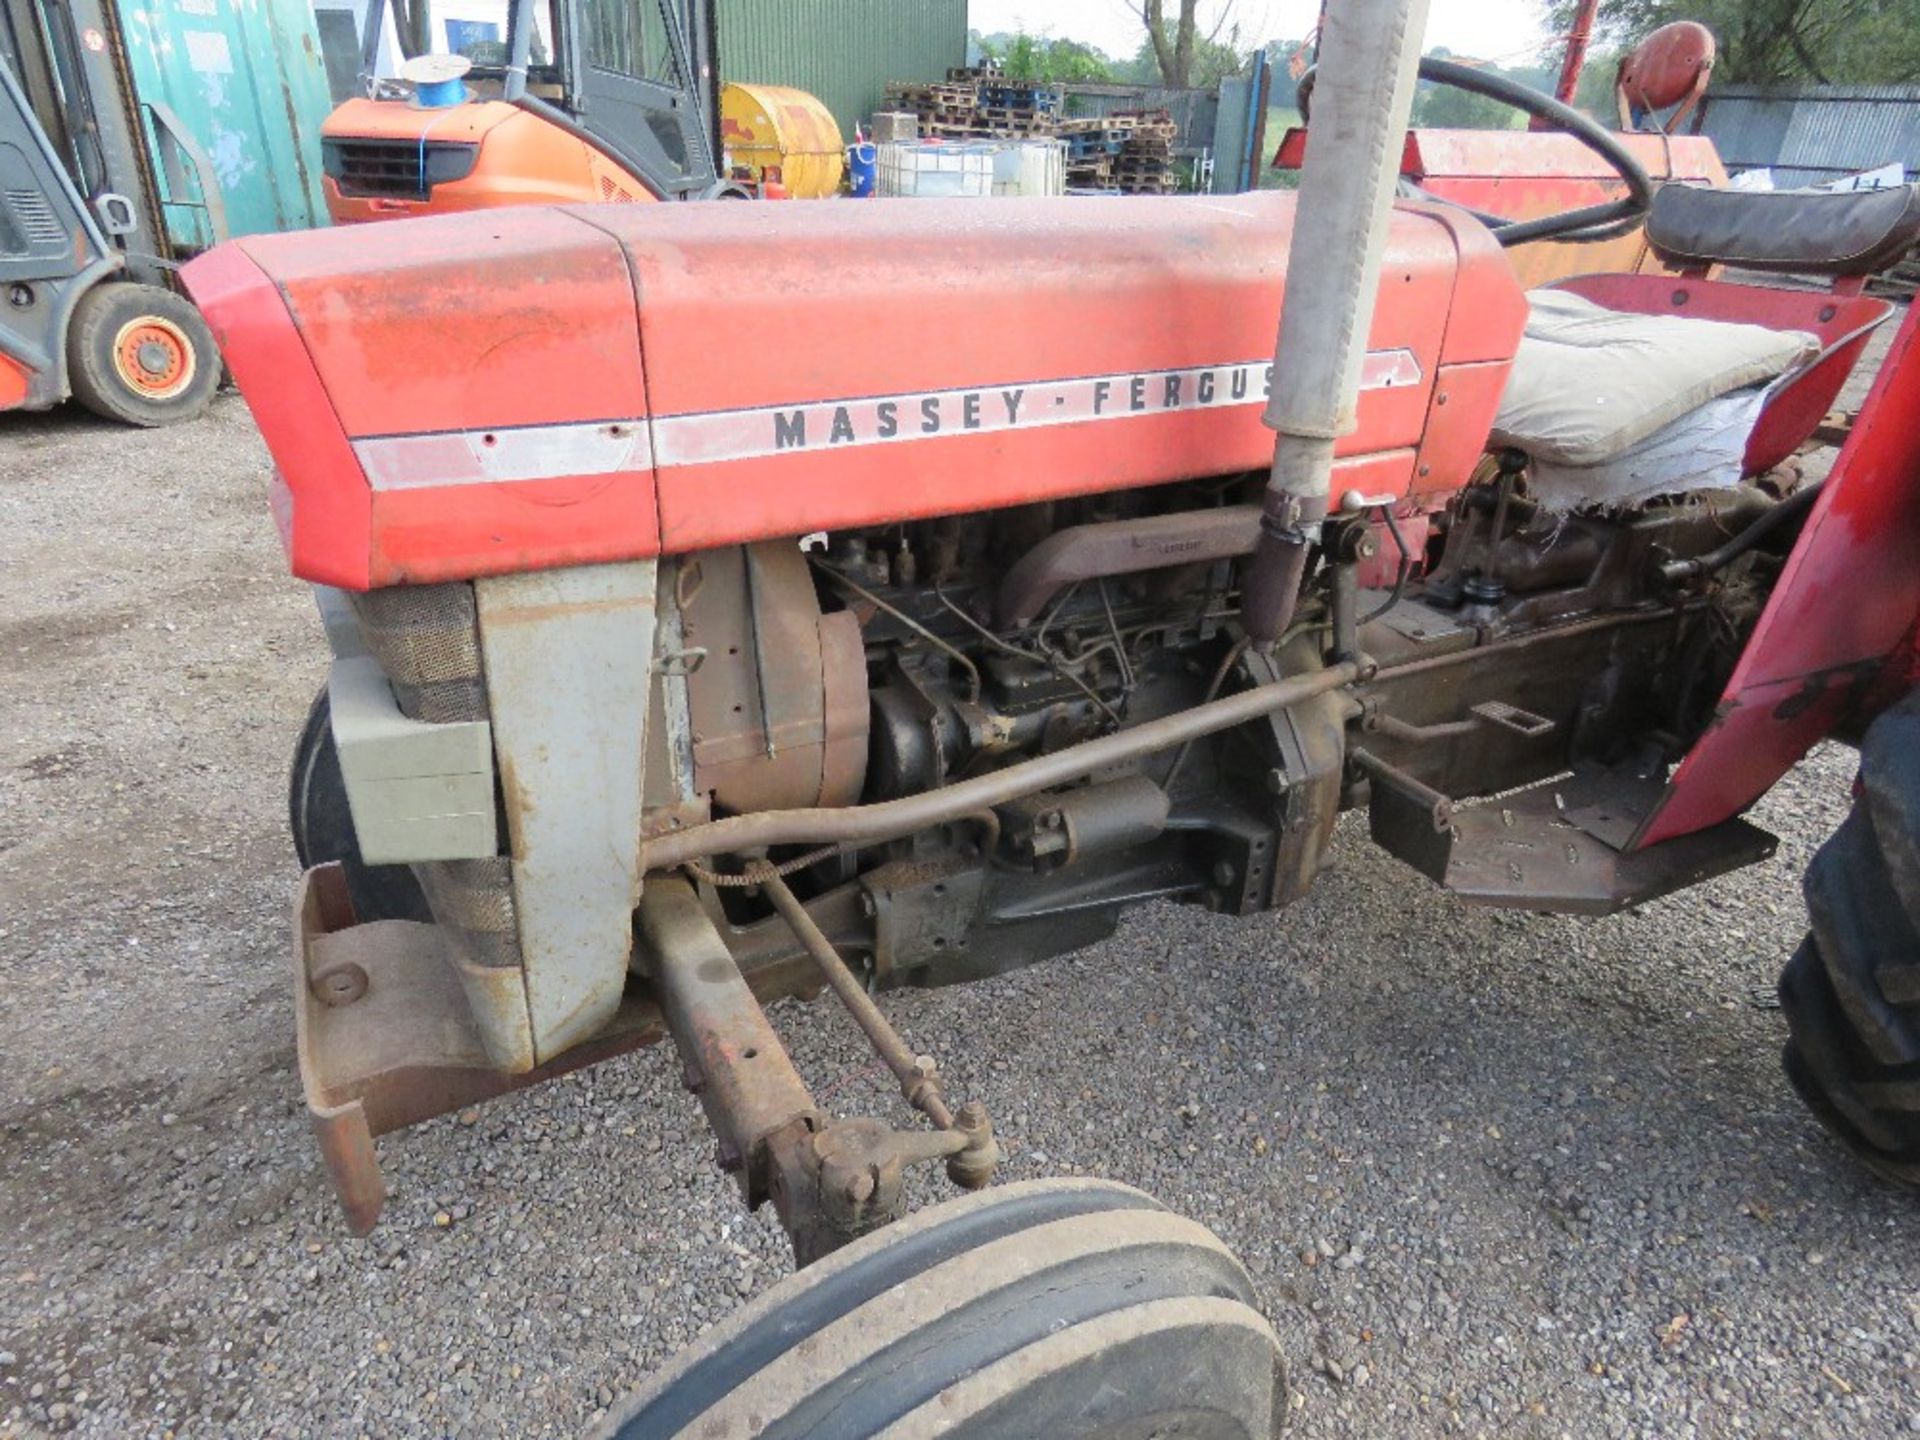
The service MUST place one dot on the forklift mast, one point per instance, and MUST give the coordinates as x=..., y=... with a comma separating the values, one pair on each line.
x=51, y=251
x=65, y=58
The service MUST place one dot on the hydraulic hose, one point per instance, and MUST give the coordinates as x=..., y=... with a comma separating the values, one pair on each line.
x=1732, y=549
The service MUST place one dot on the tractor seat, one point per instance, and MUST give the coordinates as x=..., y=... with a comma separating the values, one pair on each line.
x=1590, y=384
x=1803, y=232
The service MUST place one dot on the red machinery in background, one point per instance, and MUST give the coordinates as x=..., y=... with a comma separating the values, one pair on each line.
x=1543, y=170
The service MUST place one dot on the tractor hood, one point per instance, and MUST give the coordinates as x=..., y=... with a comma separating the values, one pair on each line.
x=529, y=388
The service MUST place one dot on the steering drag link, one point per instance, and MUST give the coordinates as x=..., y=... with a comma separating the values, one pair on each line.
x=831, y=1179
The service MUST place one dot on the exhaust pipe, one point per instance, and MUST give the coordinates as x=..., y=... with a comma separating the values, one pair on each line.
x=1369, y=56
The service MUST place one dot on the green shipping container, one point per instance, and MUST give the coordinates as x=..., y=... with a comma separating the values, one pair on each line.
x=843, y=51
x=244, y=79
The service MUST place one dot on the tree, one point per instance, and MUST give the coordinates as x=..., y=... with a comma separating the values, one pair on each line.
x=1180, y=52
x=1213, y=61
x=1772, y=42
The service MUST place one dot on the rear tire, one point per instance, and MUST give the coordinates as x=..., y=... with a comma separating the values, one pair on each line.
x=1851, y=993
x=141, y=355
x=322, y=825
x=1057, y=1308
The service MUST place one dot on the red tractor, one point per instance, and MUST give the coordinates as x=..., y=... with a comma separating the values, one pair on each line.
x=975, y=599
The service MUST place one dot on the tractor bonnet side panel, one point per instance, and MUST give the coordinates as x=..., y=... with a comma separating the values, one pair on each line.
x=953, y=356
x=477, y=379
x=806, y=367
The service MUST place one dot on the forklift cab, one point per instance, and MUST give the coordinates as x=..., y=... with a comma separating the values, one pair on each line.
x=563, y=101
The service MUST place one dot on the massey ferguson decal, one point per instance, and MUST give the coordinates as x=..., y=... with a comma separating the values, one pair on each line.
x=474, y=457
x=924, y=415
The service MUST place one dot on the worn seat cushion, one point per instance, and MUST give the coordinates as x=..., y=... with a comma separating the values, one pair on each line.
x=1590, y=383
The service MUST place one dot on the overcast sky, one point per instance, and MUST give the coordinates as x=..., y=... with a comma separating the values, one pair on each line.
x=1488, y=29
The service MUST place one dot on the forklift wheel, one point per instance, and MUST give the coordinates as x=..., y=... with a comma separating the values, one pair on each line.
x=1060, y=1308
x=141, y=354
x=322, y=827
x=1852, y=990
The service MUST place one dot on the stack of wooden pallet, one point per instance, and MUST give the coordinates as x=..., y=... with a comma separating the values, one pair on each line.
x=950, y=110
x=1092, y=148
x=1129, y=152
x=1145, y=166
x=979, y=103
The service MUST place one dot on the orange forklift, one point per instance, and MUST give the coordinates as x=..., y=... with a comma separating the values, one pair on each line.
x=471, y=106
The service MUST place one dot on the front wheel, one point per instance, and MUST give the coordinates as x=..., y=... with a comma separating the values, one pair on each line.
x=1057, y=1308
x=1851, y=993
x=141, y=355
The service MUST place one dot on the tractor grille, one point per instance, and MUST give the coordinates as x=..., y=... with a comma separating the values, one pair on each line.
x=427, y=640
x=402, y=169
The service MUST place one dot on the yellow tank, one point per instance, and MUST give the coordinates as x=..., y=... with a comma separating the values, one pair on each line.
x=774, y=133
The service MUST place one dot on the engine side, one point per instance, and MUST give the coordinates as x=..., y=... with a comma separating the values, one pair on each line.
x=883, y=666
x=697, y=535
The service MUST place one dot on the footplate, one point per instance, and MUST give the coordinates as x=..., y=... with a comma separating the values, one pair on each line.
x=386, y=1039
x=1526, y=851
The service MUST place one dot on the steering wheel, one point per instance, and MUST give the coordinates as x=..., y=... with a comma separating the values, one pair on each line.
x=1590, y=222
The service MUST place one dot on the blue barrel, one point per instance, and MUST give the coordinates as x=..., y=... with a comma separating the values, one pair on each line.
x=863, y=165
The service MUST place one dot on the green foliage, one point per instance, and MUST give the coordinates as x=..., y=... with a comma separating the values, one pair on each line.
x=1441, y=107
x=1280, y=119
x=1046, y=60
x=1774, y=42
x=1595, y=94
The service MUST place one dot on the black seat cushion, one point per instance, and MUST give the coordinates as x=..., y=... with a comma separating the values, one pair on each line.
x=1815, y=232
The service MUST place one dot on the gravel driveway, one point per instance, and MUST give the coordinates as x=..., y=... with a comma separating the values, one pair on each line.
x=1495, y=1174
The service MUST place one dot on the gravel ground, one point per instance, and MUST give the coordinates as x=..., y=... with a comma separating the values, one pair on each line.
x=1495, y=1174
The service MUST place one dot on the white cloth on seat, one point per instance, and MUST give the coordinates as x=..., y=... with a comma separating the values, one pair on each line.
x=1702, y=450
x=1589, y=384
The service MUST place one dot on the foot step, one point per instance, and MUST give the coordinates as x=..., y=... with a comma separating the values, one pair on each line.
x=1527, y=851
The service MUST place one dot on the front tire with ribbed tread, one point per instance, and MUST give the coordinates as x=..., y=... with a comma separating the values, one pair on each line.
x=1064, y=1308
x=1851, y=992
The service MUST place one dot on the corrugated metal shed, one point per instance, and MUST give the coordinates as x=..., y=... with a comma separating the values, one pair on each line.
x=1815, y=132
x=844, y=51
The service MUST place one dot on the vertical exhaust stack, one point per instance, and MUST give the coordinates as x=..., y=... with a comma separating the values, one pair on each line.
x=1369, y=56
